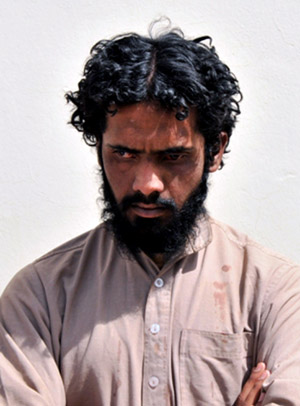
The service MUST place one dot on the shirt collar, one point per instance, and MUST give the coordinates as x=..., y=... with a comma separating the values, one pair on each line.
x=201, y=238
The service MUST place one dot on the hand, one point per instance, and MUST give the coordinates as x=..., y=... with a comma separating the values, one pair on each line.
x=250, y=395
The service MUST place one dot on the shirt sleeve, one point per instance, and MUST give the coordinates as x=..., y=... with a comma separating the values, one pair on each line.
x=29, y=372
x=279, y=338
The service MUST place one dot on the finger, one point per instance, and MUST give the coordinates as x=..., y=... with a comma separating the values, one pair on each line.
x=256, y=373
x=252, y=388
x=255, y=391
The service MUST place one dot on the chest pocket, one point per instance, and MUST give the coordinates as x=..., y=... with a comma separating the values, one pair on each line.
x=213, y=366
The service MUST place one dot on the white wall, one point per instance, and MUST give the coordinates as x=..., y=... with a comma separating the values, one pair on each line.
x=48, y=176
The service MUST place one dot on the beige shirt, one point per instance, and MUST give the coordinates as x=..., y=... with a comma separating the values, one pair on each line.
x=86, y=326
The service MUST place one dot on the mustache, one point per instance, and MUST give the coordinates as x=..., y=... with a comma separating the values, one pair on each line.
x=153, y=198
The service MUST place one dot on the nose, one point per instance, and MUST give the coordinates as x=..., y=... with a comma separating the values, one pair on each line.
x=148, y=180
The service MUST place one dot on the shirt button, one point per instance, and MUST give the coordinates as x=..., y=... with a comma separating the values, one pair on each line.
x=155, y=328
x=153, y=382
x=159, y=283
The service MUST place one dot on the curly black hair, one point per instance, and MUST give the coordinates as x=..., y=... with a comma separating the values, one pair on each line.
x=169, y=69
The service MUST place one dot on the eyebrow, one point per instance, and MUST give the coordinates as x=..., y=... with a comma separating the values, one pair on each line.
x=176, y=150
x=171, y=150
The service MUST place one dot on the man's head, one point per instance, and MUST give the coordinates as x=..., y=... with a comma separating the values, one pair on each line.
x=160, y=112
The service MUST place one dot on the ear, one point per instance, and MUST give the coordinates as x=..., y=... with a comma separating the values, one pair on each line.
x=219, y=155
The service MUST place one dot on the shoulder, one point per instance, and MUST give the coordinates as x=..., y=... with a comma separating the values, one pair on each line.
x=241, y=241
x=261, y=275
x=77, y=244
x=65, y=261
x=229, y=242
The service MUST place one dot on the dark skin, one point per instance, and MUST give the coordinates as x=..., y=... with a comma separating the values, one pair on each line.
x=250, y=395
x=146, y=149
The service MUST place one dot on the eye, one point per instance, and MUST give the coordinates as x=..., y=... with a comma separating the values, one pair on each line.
x=174, y=157
x=124, y=154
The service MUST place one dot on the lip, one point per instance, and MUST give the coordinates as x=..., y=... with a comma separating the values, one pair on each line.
x=147, y=210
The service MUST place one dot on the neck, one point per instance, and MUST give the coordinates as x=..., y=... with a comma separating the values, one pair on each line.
x=159, y=259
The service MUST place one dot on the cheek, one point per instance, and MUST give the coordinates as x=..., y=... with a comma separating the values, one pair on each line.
x=118, y=180
x=181, y=187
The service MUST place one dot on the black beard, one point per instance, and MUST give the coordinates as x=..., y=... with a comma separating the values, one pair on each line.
x=154, y=235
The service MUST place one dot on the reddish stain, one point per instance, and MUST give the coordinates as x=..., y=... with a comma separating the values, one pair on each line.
x=220, y=302
x=157, y=349
x=220, y=299
x=219, y=285
x=226, y=268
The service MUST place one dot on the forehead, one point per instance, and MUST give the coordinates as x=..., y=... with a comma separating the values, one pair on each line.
x=147, y=126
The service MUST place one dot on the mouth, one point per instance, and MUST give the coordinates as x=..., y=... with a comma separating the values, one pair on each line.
x=147, y=210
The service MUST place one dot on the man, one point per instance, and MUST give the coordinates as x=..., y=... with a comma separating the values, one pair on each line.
x=159, y=305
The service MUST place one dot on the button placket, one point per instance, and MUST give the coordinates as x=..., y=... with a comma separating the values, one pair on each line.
x=157, y=314
x=153, y=382
x=159, y=282
x=155, y=328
